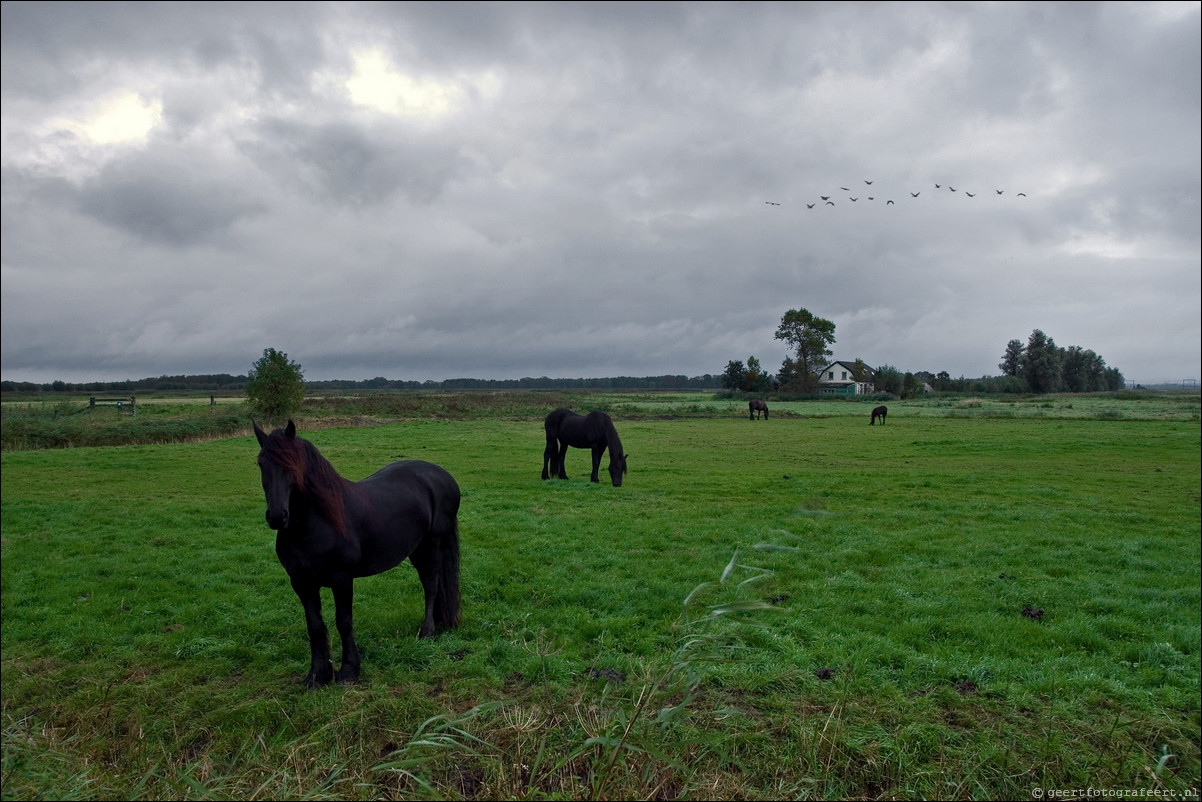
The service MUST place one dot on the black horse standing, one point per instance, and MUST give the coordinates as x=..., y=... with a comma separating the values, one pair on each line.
x=594, y=431
x=879, y=412
x=330, y=530
x=756, y=405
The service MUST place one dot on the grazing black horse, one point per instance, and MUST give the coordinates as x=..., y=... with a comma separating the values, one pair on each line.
x=594, y=430
x=879, y=412
x=756, y=405
x=330, y=530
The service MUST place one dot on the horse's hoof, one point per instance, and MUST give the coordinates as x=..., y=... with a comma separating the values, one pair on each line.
x=313, y=683
x=319, y=676
x=347, y=676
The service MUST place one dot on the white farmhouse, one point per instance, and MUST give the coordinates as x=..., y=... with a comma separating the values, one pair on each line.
x=837, y=378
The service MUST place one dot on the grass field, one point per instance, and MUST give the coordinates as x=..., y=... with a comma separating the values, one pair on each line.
x=53, y=420
x=804, y=607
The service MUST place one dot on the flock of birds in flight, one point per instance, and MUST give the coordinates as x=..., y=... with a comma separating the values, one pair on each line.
x=826, y=199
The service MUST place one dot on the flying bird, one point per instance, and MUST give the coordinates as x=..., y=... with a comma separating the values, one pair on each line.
x=825, y=197
x=871, y=198
x=845, y=189
x=916, y=194
x=969, y=194
x=937, y=186
x=853, y=200
x=869, y=183
x=809, y=206
x=999, y=191
x=830, y=203
x=1022, y=194
x=890, y=203
x=770, y=203
x=949, y=186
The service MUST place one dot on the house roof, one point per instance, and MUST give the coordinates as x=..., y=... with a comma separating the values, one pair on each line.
x=849, y=367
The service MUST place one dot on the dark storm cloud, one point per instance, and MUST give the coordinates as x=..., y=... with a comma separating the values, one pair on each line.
x=348, y=165
x=165, y=202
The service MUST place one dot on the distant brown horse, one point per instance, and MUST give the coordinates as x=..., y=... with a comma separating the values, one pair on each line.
x=756, y=405
x=879, y=412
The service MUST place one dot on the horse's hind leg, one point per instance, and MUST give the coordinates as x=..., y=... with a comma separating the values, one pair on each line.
x=344, y=594
x=428, y=563
x=562, y=460
x=549, y=458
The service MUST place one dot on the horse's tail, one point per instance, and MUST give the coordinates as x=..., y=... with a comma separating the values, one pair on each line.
x=551, y=424
x=446, y=608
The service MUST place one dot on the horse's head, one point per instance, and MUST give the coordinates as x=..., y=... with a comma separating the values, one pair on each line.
x=617, y=467
x=281, y=464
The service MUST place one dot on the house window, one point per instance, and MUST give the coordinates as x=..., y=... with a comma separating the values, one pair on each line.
x=832, y=374
x=845, y=375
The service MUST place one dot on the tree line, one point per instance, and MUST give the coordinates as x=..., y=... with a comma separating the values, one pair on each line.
x=224, y=382
x=209, y=382
x=1038, y=366
x=1044, y=367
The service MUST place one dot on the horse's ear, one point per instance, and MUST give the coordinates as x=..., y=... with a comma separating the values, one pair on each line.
x=290, y=432
x=260, y=435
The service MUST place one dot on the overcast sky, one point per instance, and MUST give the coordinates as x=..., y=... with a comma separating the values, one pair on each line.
x=429, y=191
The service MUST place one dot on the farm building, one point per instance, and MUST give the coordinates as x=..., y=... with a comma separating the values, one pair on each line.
x=838, y=378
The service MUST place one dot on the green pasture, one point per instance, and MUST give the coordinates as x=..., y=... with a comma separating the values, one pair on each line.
x=803, y=607
x=53, y=420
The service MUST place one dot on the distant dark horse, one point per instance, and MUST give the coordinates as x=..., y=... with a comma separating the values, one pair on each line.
x=756, y=405
x=879, y=412
x=330, y=530
x=594, y=430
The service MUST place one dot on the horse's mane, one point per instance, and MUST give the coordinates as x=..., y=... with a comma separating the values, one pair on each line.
x=311, y=472
x=611, y=439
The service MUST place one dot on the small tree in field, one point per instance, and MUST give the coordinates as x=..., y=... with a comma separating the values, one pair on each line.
x=275, y=386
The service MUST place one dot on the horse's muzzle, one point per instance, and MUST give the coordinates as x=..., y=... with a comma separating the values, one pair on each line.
x=277, y=520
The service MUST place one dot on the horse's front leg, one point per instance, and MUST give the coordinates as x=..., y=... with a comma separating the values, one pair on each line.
x=344, y=596
x=321, y=670
x=597, y=452
x=549, y=460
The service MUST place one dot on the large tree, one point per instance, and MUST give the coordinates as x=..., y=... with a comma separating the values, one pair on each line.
x=1040, y=364
x=810, y=338
x=275, y=386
